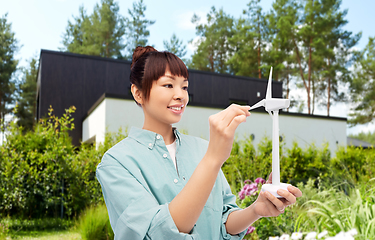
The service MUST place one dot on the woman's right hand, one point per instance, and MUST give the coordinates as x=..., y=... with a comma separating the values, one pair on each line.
x=222, y=128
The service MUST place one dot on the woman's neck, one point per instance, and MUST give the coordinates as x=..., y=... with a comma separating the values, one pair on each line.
x=165, y=131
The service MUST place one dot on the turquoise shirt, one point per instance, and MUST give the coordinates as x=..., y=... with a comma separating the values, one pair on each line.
x=139, y=180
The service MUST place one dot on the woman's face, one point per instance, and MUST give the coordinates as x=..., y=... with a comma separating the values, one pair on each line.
x=167, y=101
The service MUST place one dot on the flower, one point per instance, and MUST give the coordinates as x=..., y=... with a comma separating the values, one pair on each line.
x=250, y=230
x=310, y=236
x=322, y=234
x=296, y=235
x=260, y=180
x=284, y=237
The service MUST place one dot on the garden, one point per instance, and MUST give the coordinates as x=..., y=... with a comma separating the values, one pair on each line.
x=48, y=188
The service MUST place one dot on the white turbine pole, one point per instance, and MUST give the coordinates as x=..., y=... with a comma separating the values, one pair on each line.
x=272, y=106
x=275, y=149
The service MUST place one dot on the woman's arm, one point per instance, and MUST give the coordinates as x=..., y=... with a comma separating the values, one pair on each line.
x=187, y=206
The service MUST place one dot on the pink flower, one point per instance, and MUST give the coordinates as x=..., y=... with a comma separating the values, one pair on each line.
x=260, y=180
x=241, y=194
x=248, y=181
x=250, y=230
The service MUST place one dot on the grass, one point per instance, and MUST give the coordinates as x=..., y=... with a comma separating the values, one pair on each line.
x=45, y=235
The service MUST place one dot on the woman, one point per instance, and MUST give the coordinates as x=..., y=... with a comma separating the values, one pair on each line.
x=160, y=184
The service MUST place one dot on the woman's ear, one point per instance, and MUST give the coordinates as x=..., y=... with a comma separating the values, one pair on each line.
x=137, y=94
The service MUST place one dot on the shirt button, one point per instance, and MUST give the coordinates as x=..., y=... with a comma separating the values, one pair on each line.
x=150, y=144
x=175, y=180
x=157, y=136
x=165, y=155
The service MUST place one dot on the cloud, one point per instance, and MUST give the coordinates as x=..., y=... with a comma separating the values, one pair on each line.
x=184, y=19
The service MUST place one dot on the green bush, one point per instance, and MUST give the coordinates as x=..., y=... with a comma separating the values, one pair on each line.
x=41, y=172
x=4, y=231
x=94, y=224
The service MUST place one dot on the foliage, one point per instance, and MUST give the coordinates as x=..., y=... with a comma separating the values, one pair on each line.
x=26, y=101
x=213, y=47
x=38, y=224
x=367, y=137
x=175, y=46
x=4, y=231
x=333, y=210
x=354, y=164
x=99, y=34
x=94, y=224
x=137, y=27
x=8, y=65
x=43, y=174
x=362, y=87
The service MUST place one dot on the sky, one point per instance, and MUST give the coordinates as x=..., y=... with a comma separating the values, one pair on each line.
x=40, y=24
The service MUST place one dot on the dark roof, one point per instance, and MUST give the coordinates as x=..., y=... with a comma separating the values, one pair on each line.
x=358, y=143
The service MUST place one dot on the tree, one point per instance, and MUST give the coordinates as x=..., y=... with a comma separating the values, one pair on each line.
x=137, y=28
x=26, y=102
x=213, y=47
x=175, y=46
x=282, y=18
x=362, y=86
x=334, y=54
x=8, y=65
x=100, y=34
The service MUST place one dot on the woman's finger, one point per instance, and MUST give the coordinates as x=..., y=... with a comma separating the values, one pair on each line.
x=229, y=115
x=289, y=197
x=269, y=180
x=295, y=191
x=278, y=205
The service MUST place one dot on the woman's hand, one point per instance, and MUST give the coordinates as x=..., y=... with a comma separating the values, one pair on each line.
x=268, y=205
x=222, y=128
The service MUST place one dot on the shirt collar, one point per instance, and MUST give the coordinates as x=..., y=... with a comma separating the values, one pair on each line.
x=149, y=138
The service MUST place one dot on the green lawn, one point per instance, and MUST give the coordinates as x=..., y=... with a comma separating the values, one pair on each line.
x=46, y=235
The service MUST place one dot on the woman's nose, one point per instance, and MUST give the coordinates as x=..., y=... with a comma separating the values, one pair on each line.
x=179, y=94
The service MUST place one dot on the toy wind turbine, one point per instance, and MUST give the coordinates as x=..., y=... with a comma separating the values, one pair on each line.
x=273, y=105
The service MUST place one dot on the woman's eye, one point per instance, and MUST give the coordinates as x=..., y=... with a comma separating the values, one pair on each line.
x=168, y=85
x=185, y=88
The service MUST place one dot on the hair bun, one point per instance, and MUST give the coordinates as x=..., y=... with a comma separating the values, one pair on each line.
x=139, y=51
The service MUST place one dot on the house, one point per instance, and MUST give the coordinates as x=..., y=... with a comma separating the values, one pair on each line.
x=99, y=88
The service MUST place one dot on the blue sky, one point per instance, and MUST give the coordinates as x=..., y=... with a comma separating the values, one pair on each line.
x=39, y=24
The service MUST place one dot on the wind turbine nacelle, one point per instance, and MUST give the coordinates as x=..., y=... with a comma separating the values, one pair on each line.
x=274, y=104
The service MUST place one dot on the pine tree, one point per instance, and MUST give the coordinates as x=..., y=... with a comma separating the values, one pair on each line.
x=213, y=47
x=26, y=102
x=137, y=28
x=175, y=46
x=100, y=34
x=8, y=65
x=362, y=86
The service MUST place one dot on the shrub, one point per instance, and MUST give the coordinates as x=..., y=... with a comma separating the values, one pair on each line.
x=4, y=231
x=42, y=173
x=94, y=224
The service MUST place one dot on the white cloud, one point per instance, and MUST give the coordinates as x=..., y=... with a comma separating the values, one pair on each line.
x=184, y=19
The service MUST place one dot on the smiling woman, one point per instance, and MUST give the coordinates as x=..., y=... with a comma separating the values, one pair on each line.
x=160, y=184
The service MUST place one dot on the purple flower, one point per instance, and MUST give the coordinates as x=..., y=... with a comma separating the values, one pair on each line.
x=241, y=194
x=248, y=181
x=250, y=230
x=260, y=180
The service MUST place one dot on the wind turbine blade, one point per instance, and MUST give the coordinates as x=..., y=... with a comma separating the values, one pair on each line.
x=258, y=104
x=269, y=87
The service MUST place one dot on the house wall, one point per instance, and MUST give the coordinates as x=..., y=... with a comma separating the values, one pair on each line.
x=304, y=129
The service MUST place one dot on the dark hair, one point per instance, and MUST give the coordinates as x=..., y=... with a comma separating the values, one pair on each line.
x=149, y=65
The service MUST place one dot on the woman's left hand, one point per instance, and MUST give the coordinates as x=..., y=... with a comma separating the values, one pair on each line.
x=268, y=205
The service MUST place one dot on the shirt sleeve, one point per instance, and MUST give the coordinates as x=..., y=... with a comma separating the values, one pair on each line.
x=133, y=211
x=229, y=205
